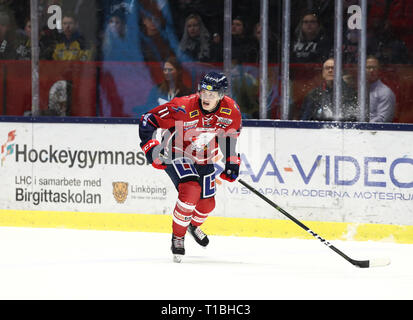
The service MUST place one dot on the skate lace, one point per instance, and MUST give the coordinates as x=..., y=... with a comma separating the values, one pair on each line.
x=178, y=242
x=199, y=233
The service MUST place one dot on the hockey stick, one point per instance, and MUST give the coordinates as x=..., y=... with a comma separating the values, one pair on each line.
x=357, y=263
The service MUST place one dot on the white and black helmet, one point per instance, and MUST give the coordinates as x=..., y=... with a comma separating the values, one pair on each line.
x=214, y=81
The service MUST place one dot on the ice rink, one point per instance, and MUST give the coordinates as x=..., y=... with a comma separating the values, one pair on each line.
x=75, y=264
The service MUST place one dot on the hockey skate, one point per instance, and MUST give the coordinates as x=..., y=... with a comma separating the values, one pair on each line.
x=178, y=249
x=200, y=237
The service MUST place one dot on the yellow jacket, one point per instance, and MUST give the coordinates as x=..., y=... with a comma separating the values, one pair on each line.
x=71, y=50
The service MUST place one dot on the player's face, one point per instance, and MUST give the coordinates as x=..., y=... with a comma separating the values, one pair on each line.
x=209, y=99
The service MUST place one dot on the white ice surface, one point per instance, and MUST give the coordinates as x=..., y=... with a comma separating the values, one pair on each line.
x=73, y=264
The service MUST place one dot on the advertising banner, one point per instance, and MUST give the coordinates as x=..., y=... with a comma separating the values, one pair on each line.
x=359, y=176
x=79, y=167
x=340, y=175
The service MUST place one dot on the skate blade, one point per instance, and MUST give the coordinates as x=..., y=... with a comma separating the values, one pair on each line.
x=177, y=258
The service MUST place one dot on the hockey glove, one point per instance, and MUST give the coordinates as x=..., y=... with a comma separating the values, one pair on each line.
x=231, y=170
x=149, y=148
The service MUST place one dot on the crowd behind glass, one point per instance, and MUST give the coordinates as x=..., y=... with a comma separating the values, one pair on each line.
x=146, y=52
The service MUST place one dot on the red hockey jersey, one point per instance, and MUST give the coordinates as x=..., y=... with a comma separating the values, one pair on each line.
x=190, y=131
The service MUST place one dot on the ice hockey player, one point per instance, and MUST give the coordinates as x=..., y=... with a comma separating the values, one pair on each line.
x=195, y=128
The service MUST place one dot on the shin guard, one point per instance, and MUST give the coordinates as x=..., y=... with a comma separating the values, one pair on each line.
x=188, y=198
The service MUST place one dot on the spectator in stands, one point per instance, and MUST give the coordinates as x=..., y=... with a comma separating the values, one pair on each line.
x=70, y=44
x=47, y=41
x=195, y=42
x=116, y=27
x=311, y=45
x=118, y=41
x=319, y=104
x=211, y=12
x=242, y=44
x=172, y=86
x=87, y=15
x=382, y=100
x=273, y=45
x=154, y=42
x=7, y=37
x=325, y=10
x=163, y=11
x=23, y=46
x=244, y=89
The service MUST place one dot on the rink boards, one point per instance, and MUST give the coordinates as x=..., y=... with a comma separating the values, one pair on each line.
x=345, y=182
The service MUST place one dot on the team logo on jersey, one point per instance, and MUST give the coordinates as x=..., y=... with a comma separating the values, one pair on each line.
x=223, y=122
x=207, y=122
x=193, y=114
x=225, y=110
x=120, y=191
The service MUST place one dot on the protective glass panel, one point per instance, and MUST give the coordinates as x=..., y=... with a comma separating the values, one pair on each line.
x=120, y=58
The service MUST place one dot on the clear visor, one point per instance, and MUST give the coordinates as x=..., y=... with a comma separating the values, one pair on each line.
x=210, y=95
